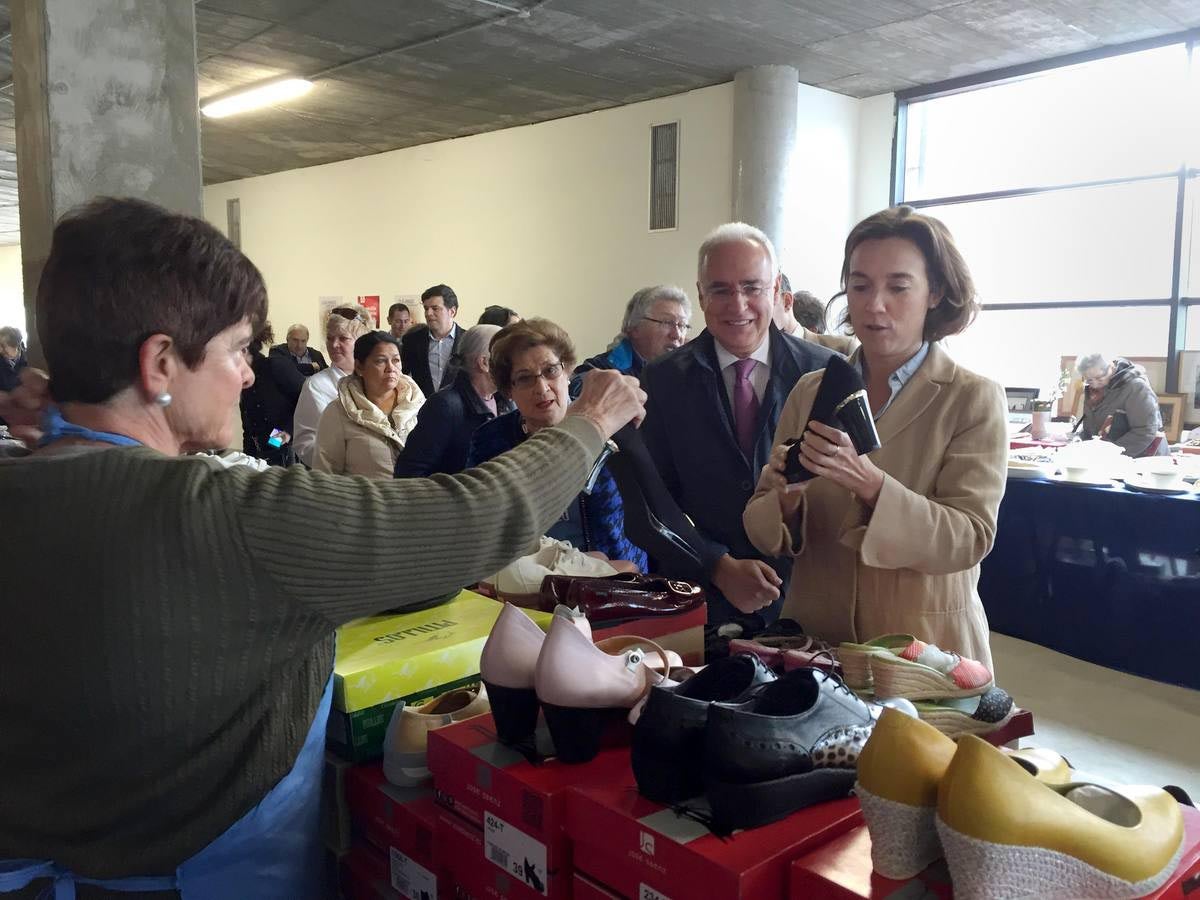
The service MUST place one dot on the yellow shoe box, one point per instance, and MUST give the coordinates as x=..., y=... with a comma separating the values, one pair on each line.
x=388, y=658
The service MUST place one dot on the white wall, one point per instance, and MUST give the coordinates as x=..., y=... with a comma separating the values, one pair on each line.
x=550, y=219
x=12, y=300
x=822, y=189
x=876, y=131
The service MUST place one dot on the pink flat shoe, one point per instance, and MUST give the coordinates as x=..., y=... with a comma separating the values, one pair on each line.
x=583, y=687
x=507, y=665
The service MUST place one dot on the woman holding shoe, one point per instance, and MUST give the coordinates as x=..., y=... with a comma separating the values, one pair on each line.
x=891, y=542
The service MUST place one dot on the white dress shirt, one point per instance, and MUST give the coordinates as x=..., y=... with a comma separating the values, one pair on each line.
x=318, y=392
x=760, y=375
x=440, y=352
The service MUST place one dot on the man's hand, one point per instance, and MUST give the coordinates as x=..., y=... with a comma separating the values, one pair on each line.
x=23, y=407
x=610, y=400
x=749, y=584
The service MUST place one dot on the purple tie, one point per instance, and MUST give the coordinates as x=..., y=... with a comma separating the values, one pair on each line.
x=745, y=406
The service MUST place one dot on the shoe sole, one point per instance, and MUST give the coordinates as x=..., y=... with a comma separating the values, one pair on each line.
x=904, y=839
x=663, y=775
x=739, y=806
x=856, y=668
x=514, y=712
x=954, y=724
x=982, y=870
x=896, y=677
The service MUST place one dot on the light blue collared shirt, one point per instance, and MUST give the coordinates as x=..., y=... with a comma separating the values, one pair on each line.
x=898, y=379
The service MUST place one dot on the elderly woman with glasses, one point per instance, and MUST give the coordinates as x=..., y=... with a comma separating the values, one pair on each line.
x=192, y=607
x=1119, y=405
x=657, y=321
x=344, y=326
x=530, y=362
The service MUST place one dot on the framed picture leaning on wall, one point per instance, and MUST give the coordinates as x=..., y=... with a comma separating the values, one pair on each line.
x=1171, y=407
x=1189, y=385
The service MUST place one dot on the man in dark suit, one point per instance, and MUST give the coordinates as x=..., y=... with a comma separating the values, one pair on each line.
x=308, y=360
x=713, y=408
x=427, y=351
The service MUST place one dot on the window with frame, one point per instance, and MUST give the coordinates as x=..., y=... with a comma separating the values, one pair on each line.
x=1073, y=190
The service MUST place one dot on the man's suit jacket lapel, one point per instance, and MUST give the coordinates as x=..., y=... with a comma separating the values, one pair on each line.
x=720, y=413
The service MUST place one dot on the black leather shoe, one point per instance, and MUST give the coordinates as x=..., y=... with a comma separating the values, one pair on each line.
x=668, y=739
x=795, y=744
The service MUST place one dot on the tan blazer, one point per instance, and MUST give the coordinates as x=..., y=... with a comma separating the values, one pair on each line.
x=911, y=565
x=839, y=343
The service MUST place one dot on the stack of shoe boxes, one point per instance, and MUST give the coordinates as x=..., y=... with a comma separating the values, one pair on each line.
x=500, y=828
x=396, y=829
x=635, y=848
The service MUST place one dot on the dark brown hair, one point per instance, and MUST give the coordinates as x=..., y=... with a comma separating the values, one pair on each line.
x=526, y=335
x=945, y=268
x=121, y=270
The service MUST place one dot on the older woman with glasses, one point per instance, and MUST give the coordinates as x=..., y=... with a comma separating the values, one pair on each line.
x=344, y=326
x=657, y=320
x=530, y=362
x=193, y=606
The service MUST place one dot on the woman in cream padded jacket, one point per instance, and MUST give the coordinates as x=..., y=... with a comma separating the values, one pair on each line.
x=892, y=542
x=364, y=429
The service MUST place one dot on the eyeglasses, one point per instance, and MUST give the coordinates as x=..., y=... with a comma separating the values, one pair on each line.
x=727, y=292
x=527, y=380
x=685, y=327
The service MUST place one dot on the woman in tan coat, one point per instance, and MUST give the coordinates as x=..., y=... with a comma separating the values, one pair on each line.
x=891, y=543
x=364, y=429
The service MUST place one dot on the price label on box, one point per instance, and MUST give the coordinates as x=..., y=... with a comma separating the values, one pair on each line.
x=645, y=892
x=515, y=852
x=410, y=878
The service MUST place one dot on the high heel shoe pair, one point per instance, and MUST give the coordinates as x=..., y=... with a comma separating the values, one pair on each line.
x=580, y=686
x=1017, y=824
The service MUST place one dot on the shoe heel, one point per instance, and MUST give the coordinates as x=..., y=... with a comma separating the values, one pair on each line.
x=514, y=710
x=904, y=839
x=663, y=777
x=577, y=733
x=856, y=669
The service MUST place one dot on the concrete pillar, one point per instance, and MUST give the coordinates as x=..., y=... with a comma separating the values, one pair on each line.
x=764, y=132
x=107, y=104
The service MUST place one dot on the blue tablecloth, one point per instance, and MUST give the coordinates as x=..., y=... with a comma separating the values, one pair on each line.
x=1101, y=573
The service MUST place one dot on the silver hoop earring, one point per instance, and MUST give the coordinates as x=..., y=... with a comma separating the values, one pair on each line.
x=163, y=399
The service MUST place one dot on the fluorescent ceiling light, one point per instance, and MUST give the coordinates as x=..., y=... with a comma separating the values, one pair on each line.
x=255, y=97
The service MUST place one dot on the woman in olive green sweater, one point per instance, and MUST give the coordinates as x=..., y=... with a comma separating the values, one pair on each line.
x=167, y=637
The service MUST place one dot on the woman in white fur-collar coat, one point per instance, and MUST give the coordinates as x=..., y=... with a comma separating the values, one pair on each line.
x=364, y=430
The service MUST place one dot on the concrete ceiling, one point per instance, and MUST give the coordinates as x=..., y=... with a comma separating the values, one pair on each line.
x=574, y=56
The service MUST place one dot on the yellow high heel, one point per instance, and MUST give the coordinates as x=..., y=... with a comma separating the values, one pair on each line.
x=899, y=772
x=1005, y=834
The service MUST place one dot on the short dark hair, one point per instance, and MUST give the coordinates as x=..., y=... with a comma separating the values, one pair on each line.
x=398, y=306
x=497, y=315
x=449, y=298
x=121, y=270
x=264, y=337
x=523, y=336
x=369, y=341
x=784, y=284
x=945, y=268
x=808, y=311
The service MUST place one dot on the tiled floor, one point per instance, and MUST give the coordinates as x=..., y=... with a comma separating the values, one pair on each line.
x=1117, y=726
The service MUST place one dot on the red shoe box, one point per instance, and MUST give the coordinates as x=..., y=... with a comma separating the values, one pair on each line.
x=520, y=806
x=642, y=849
x=364, y=875
x=399, y=821
x=584, y=888
x=683, y=633
x=462, y=861
x=1019, y=726
x=841, y=870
